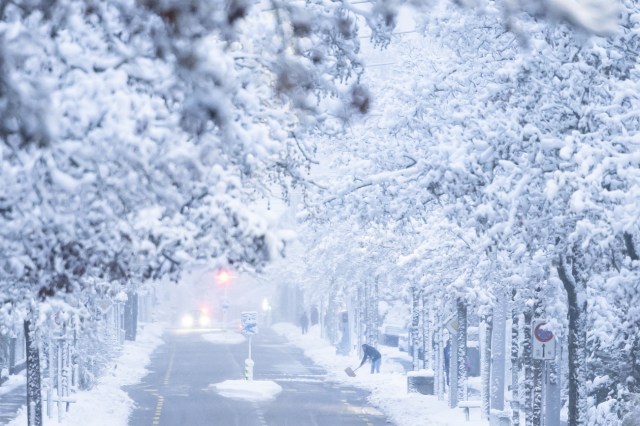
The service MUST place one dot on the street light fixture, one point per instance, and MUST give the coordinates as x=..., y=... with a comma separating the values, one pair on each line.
x=223, y=279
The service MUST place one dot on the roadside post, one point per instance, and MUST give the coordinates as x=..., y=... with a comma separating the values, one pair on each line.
x=544, y=348
x=452, y=327
x=225, y=309
x=249, y=321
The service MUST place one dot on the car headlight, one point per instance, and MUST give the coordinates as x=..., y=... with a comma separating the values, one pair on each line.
x=186, y=321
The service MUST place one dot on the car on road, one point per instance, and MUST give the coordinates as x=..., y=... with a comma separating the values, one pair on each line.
x=196, y=318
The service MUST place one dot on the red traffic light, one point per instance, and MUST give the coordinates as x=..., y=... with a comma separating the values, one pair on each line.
x=223, y=277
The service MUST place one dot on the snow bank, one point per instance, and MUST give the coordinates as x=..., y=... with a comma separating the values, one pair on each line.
x=251, y=390
x=107, y=404
x=13, y=382
x=388, y=389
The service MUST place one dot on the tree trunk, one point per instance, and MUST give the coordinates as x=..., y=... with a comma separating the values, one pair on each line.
x=439, y=364
x=332, y=317
x=537, y=366
x=131, y=316
x=12, y=355
x=34, y=389
x=366, y=306
x=361, y=319
x=515, y=363
x=427, y=340
x=372, y=317
x=453, y=371
x=485, y=365
x=577, y=338
x=462, y=350
x=321, y=318
x=415, y=327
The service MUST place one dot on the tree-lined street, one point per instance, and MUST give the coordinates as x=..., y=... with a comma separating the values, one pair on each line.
x=459, y=180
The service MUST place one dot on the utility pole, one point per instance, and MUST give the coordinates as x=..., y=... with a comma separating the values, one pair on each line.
x=552, y=394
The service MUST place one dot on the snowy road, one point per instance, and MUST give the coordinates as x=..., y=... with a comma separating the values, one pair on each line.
x=179, y=390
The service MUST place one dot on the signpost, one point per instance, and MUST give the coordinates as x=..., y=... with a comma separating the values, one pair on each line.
x=225, y=309
x=544, y=348
x=249, y=321
x=544, y=343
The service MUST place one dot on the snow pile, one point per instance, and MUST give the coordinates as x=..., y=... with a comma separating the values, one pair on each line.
x=13, y=382
x=421, y=373
x=251, y=390
x=107, y=404
x=388, y=389
x=224, y=338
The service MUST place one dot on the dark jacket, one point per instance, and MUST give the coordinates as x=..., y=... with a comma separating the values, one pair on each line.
x=369, y=352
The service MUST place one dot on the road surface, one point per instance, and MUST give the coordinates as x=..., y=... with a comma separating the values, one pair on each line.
x=177, y=390
x=11, y=400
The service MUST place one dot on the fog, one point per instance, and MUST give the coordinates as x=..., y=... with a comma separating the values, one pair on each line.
x=200, y=290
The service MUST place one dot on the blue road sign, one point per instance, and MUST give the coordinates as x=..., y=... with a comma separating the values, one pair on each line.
x=249, y=322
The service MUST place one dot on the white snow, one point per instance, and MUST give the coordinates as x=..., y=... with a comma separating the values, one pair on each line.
x=250, y=390
x=224, y=338
x=13, y=382
x=388, y=389
x=107, y=404
x=421, y=373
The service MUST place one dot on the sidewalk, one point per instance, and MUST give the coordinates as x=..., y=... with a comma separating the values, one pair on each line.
x=13, y=395
x=106, y=404
x=388, y=389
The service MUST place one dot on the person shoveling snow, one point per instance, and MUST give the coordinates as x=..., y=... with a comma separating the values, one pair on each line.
x=371, y=353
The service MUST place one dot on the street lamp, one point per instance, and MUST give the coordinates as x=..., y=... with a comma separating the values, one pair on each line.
x=223, y=279
x=266, y=308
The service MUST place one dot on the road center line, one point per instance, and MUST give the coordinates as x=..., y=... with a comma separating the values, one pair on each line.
x=170, y=367
x=260, y=414
x=159, y=404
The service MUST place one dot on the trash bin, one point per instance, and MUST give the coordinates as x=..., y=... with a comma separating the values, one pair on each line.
x=420, y=381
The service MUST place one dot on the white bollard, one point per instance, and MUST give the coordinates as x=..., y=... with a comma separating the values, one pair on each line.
x=248, y=369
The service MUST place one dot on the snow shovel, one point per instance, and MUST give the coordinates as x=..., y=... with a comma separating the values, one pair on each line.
x=350, y=372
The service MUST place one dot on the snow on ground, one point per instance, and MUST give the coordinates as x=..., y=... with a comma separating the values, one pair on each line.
x=107, y=404
x=388, y=389
x=250, y=390
x=224, y=338
x=13, y=382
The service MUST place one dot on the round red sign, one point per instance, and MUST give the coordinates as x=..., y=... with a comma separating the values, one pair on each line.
x=541, y=334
